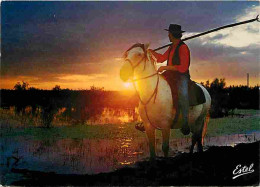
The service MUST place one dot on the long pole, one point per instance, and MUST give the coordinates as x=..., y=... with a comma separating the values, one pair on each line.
x=213, y=30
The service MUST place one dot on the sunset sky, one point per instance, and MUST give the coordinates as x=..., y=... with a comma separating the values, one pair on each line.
x=79, y=44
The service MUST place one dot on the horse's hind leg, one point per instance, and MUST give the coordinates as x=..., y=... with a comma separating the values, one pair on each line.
x=165, y=144
x=199, y=144
x=150, y=132
x=193, y=143
x=196, y=138
x=197, y=134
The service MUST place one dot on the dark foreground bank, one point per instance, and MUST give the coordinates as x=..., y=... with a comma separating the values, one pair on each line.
x=212, y=167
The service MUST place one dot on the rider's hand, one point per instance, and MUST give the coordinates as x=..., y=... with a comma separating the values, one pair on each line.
x=161, y=69
x=150, y=53
x=150, y=50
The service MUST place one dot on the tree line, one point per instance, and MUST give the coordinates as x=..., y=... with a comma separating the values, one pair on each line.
x=226, y=99
x=80, y=105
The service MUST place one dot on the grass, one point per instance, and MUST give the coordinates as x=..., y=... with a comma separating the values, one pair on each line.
x=232, y=125
x=216, y=127
x=108, y=131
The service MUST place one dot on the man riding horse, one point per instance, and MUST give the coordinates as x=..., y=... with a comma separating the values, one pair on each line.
x=177, y=73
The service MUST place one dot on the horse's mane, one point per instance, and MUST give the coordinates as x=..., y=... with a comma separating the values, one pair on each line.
x=134, y=46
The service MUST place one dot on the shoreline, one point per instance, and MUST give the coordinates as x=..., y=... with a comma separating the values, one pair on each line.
x=212, y=167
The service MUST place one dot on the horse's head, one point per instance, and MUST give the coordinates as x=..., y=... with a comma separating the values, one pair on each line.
x=133, y=57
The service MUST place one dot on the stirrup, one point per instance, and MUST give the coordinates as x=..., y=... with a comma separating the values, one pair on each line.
x=185, y=130
x=140, y=127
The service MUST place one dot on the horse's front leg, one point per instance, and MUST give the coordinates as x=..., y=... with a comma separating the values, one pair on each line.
x=150, y=132
x=165, y=145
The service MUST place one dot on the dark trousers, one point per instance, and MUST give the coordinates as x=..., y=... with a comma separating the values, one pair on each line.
x=179, y=86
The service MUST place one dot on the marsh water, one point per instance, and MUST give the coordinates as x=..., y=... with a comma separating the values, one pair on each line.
x=95, y=155
x=91, y=156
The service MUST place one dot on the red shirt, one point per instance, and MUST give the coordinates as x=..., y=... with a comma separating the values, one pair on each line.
x=184, y=54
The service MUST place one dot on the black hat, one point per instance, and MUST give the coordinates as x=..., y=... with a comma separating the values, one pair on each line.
x=174, y=28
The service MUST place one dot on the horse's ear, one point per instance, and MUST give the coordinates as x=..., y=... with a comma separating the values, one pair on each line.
x=125, y=54
x=146, y=46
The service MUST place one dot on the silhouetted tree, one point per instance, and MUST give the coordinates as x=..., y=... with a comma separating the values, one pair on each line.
x=19, y=86
x=56, y=88
x=219, y=98
x=94, y=88
x=218, y=84
x=207, y=85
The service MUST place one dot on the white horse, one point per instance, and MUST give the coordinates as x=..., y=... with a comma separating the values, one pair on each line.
x=156, y=105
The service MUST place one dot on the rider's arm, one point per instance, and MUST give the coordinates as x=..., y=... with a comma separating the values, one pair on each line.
x=161, y=58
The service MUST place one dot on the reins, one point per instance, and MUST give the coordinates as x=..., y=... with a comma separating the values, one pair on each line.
x=154, y=92
x=134, y=80
x=133, y=67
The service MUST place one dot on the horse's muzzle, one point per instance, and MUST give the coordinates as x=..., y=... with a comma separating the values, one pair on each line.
x=126, y=72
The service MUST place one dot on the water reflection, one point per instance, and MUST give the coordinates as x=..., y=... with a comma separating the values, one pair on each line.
x=115, y=116
x=69, y=116
x=89, y=156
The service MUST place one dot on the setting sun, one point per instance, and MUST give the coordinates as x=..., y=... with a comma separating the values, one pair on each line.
x=128, y=85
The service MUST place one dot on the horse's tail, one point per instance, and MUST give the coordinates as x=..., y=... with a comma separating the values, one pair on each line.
x=204, y=131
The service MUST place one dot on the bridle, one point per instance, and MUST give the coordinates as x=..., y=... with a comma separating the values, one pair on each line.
x=139, y=62
x=145, y=58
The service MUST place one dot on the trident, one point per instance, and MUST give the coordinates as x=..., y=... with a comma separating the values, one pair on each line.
x=213, y=30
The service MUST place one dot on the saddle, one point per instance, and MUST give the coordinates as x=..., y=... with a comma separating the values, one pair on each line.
x=196, y=95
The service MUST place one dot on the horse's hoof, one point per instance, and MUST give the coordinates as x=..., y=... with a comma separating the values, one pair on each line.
x=140, y=127
x=152, y=161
